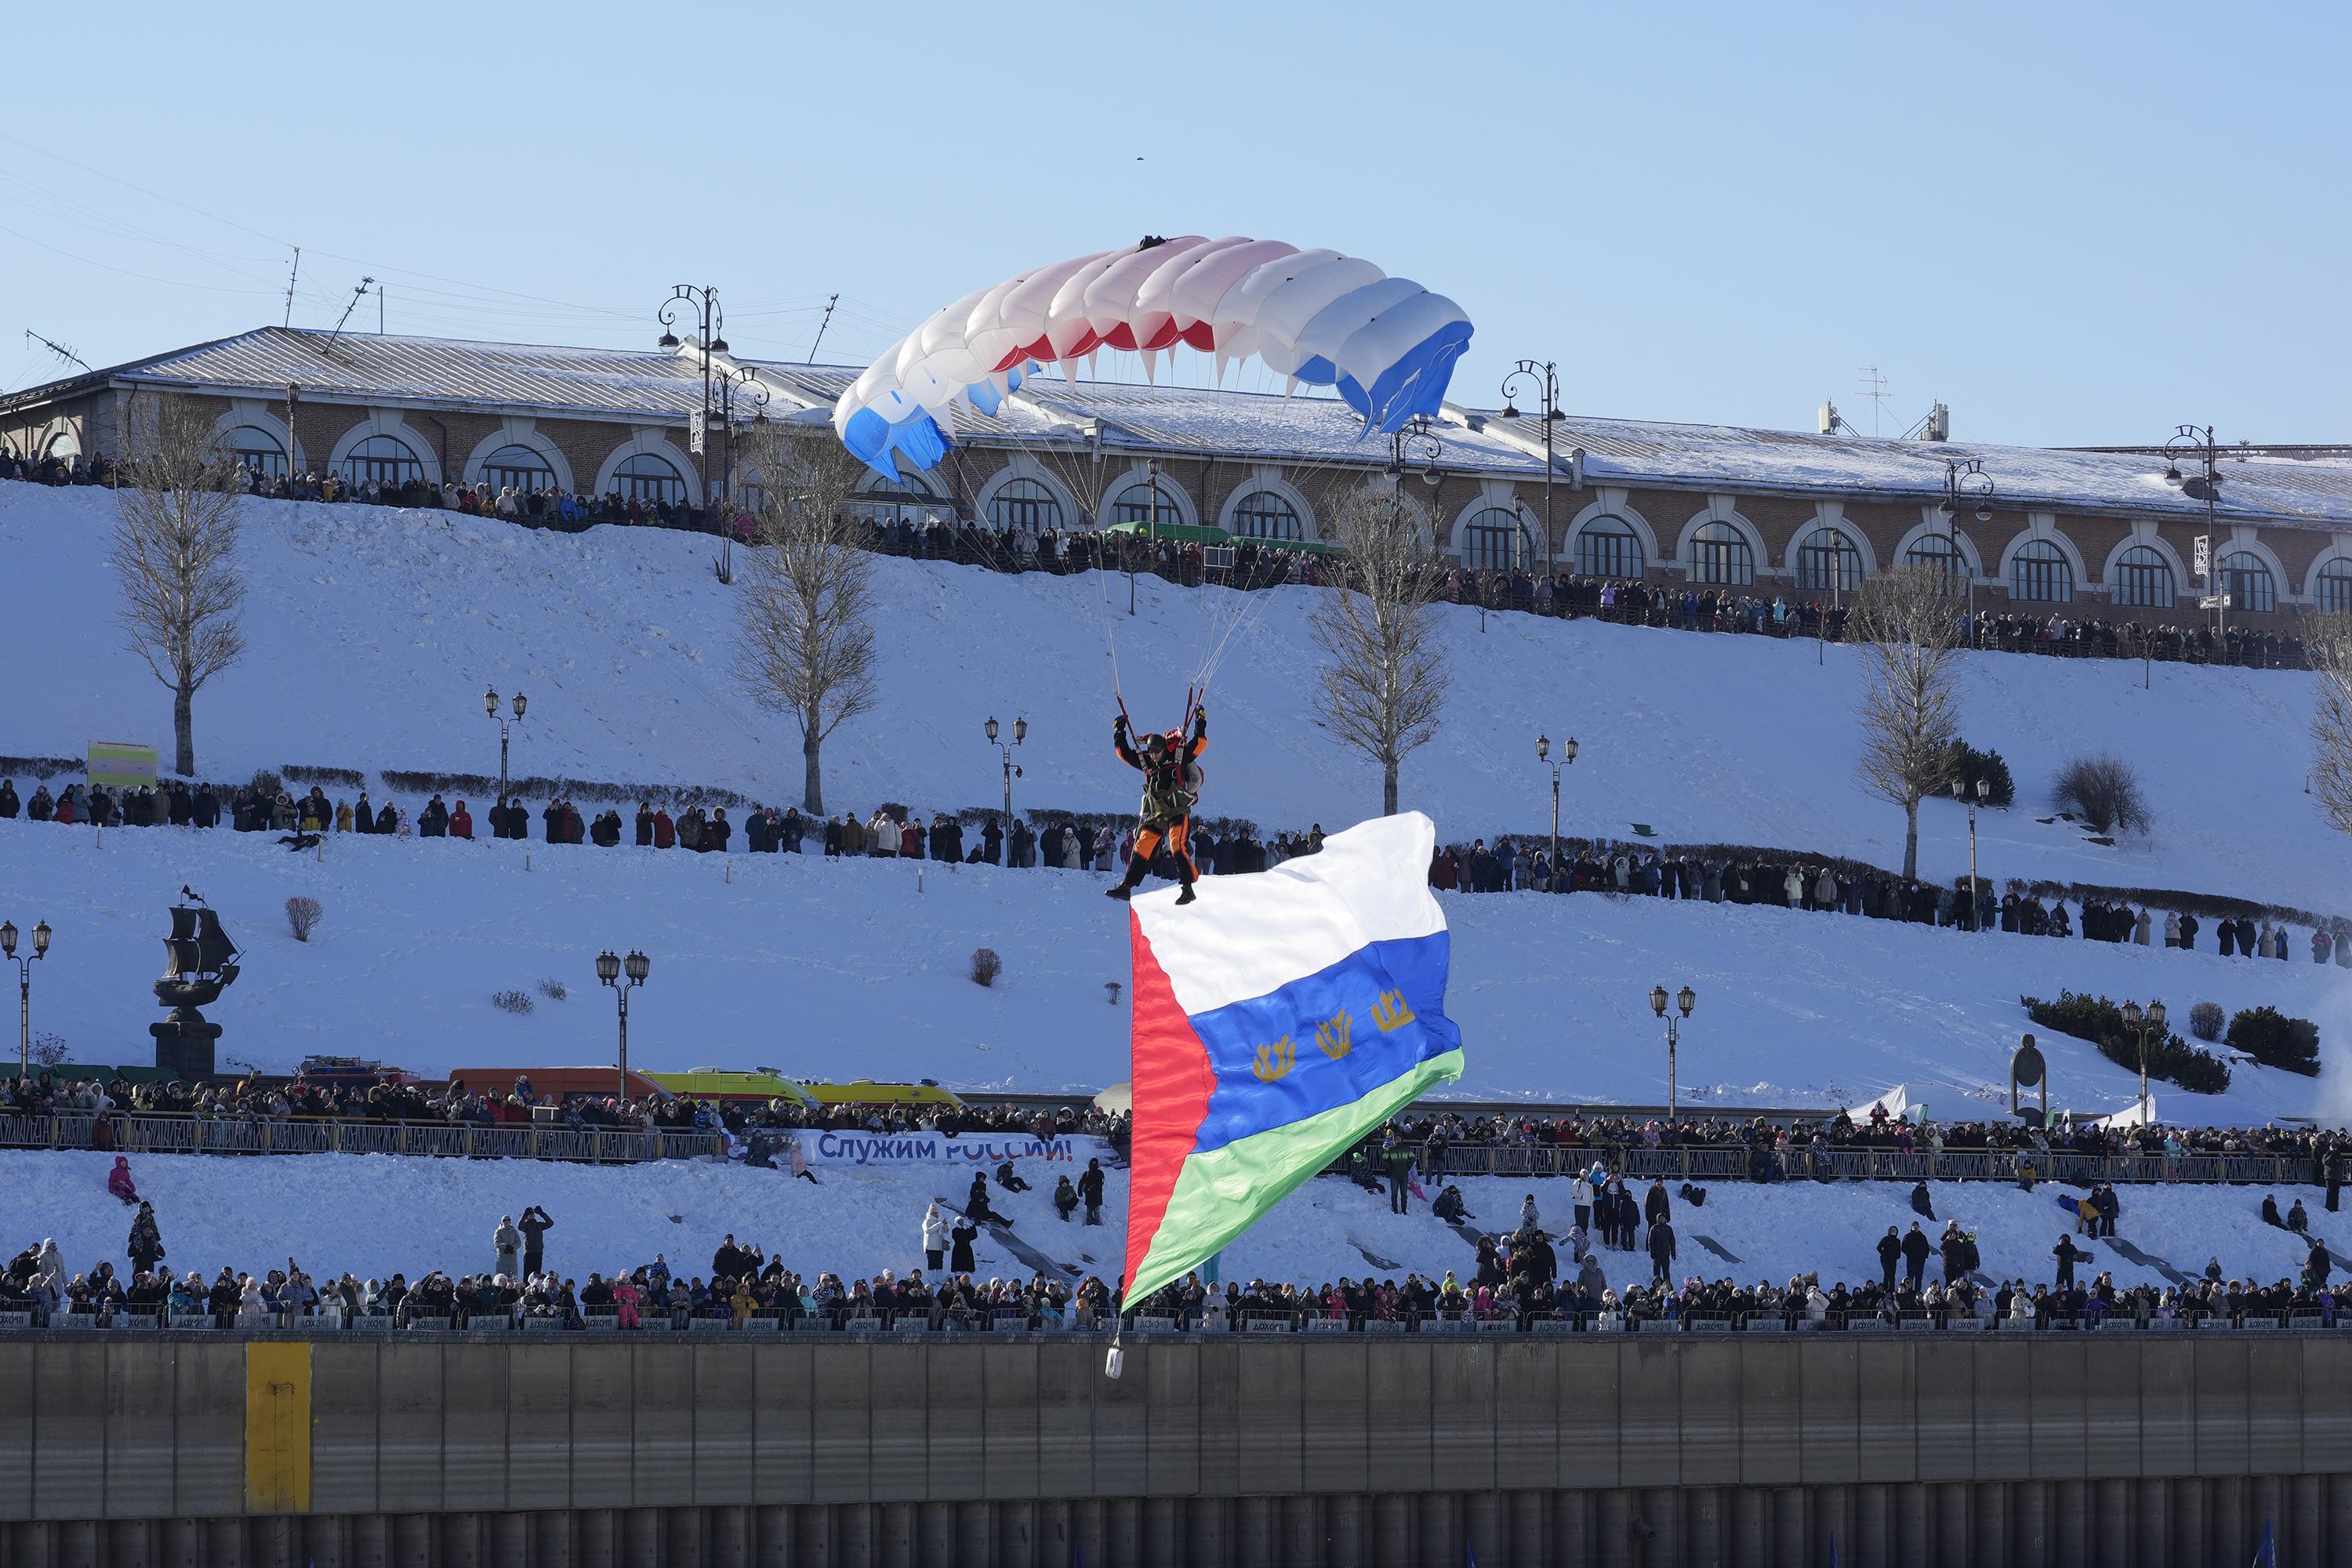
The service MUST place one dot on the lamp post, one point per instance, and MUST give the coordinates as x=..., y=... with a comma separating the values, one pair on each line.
x=2143, y=1022
x=755, y=392
x=25, y=988
x=1960, y=792
x=1686, y=999
x=505, y=727
x=1546, y=374
x=1967, y=487
x=2196, y=445
x=1567, y=756
x=710, y=338
x=612, y=971
x=1020, y=733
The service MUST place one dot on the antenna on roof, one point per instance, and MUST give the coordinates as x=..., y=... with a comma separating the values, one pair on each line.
x=290, y=276
x=358, y=294
x=1874, y=386
x=59, y=350
x=830, y=303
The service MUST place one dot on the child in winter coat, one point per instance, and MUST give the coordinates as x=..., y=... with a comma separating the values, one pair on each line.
x=119, y=1182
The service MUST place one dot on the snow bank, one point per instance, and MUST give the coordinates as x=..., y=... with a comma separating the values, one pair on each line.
x=861, y=968
x=373, y=632
x=372, y=1215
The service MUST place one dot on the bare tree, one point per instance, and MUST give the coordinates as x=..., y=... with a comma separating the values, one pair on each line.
x=804, y=639
x=174, y=554
x=2328, y=641
x=2104, y=792
x=1382, y=689
x=1909, y=630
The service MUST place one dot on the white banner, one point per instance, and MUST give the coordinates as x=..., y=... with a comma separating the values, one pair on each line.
x=976, y=1150
x=2204, y=560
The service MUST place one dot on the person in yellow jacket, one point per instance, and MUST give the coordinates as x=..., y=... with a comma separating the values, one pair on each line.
x=342, y=816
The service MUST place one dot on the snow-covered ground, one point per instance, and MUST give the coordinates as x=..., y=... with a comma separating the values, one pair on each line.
x=860, y=968
x=373, y=632
x=372, y=1215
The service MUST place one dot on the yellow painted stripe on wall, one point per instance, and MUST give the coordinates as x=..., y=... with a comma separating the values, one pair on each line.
x=278, y=1429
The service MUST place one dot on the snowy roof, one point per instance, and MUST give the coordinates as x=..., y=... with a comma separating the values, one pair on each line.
x=1637, y=452
x=665, y=386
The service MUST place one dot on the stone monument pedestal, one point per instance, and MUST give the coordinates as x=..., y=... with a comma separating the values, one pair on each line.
x=184, y=1044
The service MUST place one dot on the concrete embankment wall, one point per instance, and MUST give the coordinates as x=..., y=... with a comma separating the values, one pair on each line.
x=1947, y=1450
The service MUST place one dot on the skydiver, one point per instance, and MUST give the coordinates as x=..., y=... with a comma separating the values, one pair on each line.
x=1171, y=781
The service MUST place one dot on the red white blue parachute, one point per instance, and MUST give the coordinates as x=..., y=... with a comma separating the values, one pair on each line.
x=1315, y=317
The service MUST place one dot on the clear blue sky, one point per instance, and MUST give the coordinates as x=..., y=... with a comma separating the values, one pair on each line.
x=2075, y=224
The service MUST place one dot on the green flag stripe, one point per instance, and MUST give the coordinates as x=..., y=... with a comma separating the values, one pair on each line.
x=1220, y=1192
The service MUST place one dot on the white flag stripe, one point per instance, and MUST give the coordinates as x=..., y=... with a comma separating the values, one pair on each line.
x=1248, y=935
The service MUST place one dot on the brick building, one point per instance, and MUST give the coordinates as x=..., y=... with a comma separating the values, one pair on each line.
x=2080, y=533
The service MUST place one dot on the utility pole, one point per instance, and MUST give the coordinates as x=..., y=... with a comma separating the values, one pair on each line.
x=821, y=325
x=291, y=275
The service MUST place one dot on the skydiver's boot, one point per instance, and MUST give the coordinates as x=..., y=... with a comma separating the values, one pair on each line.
x=1137, y=869
x=1185, y=874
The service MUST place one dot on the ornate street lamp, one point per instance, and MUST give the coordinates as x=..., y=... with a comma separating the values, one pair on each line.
x=1685, y=999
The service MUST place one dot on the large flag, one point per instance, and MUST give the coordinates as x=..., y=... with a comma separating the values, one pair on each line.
x=1278, y=1019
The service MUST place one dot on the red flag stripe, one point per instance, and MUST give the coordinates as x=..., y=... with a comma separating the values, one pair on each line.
x=1171, y=1082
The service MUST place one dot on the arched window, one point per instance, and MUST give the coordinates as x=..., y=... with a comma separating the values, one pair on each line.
x=1719, y=555
x=1939, y=552
x=1494, y=540
x=909, y=499
x=1135, y=504
x=2335, y=587
x=648, y=476
x=64, y=445
x=1608, y=547
x=251, y=447
x=1827, y=562
x=2143, y=579
x=387, y=459
x=519, y=468
x=1262, y=514
x=1025, y=504
x=2248, y=582
x=2040, y=572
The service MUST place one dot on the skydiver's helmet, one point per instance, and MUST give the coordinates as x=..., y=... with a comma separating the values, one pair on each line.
x=1156, y=742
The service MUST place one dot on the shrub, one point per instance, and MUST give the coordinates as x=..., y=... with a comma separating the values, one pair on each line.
x=2205, y=1021
x=985, y=966
x=303, y=914
x=1968, y=765
x=266, y=783
x=2105, y=792
x=554, y=990
x=2276, y=1040
x=346, y=778
x=2095, y=1018
x=42, y=768
x=48, y=1049
x=515, y=1002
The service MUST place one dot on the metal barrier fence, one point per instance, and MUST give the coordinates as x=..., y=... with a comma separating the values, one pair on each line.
x=212, y=1135
x=1732, y=1163
x=2191, y=1320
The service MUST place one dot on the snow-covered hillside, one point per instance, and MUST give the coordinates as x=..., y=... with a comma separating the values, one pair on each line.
x=374, y=1213
x=374, y=631
x=860, y=967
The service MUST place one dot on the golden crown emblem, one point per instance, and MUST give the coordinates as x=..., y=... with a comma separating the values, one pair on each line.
x=1275, y=1061
x=1390, y=1013
x=1331, y=1035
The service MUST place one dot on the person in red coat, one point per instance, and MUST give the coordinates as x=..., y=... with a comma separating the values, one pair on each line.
x=461, y=822
x=119, y=1182
x=665, y=831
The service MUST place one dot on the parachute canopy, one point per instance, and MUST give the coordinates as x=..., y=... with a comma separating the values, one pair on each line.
x=1316, y=317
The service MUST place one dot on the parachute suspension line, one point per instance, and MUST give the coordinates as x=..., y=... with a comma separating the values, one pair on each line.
x=1110, y=643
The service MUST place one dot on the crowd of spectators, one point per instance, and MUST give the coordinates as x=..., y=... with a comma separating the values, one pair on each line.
x=1523, y=864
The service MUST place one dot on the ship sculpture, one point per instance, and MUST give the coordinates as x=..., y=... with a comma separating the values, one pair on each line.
x=199, y=964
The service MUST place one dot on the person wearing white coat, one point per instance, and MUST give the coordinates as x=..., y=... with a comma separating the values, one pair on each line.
x=1579, y=1193
x=508, y=1243
x=935, y=1238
